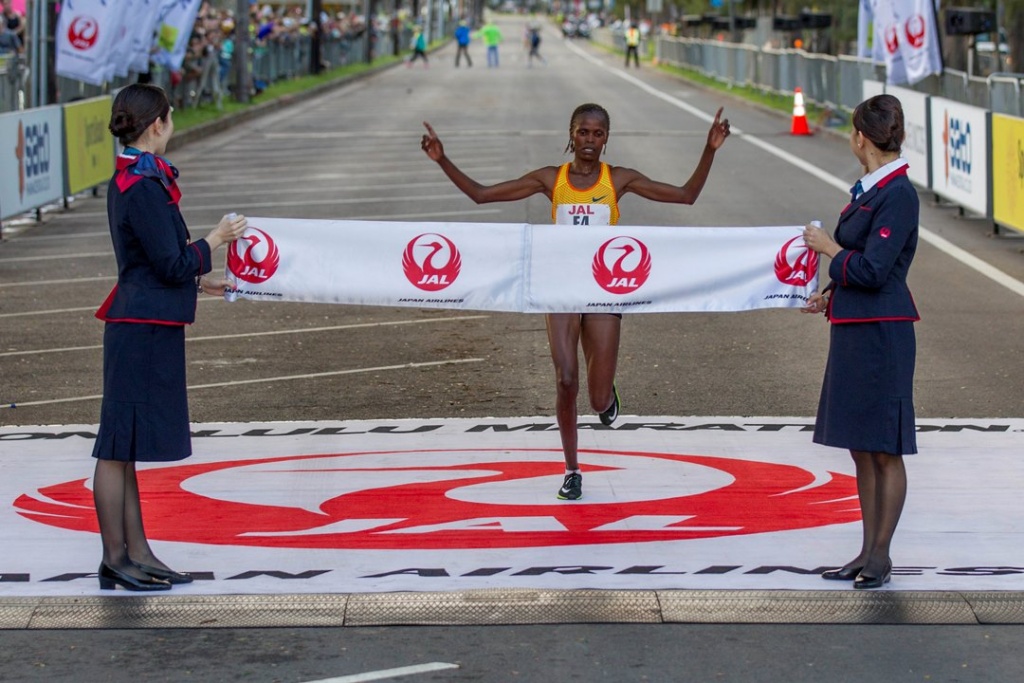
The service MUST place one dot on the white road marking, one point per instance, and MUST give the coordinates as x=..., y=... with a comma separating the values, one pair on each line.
x=268, y=333
x=69, y=281
x=390, y=673
x=264, y=380
x=56, y=257
x=940, y=243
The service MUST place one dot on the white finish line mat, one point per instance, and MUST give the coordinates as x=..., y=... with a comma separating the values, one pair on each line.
x=460, y=504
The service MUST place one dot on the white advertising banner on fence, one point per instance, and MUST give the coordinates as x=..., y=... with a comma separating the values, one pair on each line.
x=31, y=161
x=87, y=32
x=915, y=122
x=521, y=267
x=959, y=143
x=870, y=88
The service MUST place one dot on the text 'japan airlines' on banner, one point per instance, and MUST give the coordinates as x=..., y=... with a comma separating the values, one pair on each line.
x=522, y=268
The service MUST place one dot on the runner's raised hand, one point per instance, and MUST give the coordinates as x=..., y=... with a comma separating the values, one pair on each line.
x=431, y=144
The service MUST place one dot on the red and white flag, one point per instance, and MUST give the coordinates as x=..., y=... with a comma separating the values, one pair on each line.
x=87, y=33
x=907, y=32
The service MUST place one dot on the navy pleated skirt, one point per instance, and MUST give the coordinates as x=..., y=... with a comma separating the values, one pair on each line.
x=867, y=397
x=144, y=416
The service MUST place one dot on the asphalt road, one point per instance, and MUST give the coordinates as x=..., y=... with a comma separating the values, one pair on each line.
x=354, y=153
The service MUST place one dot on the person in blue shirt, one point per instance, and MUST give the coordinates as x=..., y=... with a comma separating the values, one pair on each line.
x=462, y=37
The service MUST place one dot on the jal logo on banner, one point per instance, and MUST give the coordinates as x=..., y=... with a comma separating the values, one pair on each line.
x=959, y=150
x=431, y=262
x=449, y=499
x=795, y=264
x=254, y=257
x=622, y=265
x=33, y=154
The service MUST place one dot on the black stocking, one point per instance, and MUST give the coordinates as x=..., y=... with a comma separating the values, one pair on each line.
x=866, y=493
x=110, y=492
x=890, y=494
x=134, y=531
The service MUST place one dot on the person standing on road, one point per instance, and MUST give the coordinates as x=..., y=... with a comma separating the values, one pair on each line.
x=492, y=38
x=633, y=45
x=144, y=414
x=867, y=398
x=462, y=37
x=419, y=48
x=583, y=181
x=533, y=42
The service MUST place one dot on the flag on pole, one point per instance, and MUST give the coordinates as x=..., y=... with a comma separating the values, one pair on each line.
x=905, y=35
x=87, y=31
x=175, y=20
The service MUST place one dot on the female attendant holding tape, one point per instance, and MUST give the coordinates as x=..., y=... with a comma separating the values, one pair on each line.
x=144, y=415
x=867, y=403
x=583, y=181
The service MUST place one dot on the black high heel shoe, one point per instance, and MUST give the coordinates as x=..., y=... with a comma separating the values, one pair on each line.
x=170, y=576
x=863, y=581
x=841, y=574
x=110, y=578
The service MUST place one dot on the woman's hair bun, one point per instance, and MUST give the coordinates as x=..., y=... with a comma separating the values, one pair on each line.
x=121, y=123
x=135, y=108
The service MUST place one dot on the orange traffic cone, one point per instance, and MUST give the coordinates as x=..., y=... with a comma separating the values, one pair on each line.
x=799, y=115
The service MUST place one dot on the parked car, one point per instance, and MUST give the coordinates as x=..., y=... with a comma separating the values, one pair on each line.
x=574, y=27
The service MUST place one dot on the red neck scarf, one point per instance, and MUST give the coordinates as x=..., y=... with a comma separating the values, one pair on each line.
x=133, y=166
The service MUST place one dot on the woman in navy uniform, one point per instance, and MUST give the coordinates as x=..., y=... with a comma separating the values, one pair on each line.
x=867, y=403
x=144, y=416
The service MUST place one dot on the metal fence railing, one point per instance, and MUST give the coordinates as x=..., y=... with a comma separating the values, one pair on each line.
x=13, y=82
x=274, y=61
x=828, y=80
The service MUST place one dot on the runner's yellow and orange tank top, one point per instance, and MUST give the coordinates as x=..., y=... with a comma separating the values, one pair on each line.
x=594, y=205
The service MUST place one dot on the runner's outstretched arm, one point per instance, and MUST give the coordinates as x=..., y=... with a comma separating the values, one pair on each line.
x=535, y=182
x=638, y=183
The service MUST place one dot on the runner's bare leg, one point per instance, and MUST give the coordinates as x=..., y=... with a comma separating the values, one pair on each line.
x=599, y=335
x=563, y=340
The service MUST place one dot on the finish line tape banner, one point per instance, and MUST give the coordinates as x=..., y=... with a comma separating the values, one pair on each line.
x=518, y=267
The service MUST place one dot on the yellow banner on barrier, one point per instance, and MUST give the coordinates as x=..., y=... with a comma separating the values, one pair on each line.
x=89, y=144
x=1008, y=171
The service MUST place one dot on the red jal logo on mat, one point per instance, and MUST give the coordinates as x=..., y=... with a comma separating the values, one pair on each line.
x=431, y=262
x=795, y=264
x=448, y=499
x=254, y=256
x=83, y=32
x=622, y=265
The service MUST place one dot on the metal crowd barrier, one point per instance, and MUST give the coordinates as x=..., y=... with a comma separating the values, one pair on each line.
x=13, y=82
x=827, y=80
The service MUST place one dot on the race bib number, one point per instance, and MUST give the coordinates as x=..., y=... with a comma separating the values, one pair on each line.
x=583, y=214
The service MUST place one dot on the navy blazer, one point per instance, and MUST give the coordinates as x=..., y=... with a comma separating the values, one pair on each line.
x=157, y=265
x=878, y=234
